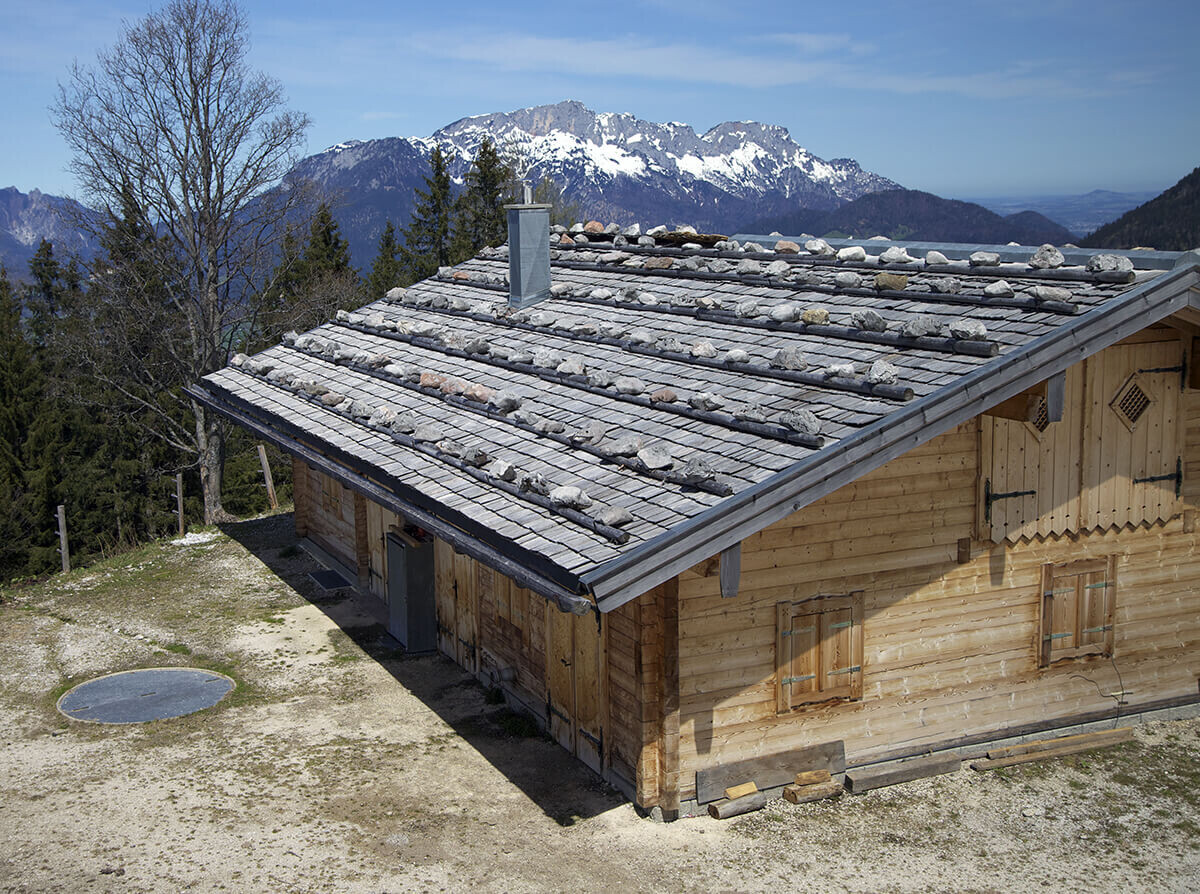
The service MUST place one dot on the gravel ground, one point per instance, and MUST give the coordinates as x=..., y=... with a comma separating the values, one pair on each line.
x=339, y=764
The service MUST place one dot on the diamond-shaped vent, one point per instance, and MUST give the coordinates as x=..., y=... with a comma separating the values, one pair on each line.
x=1133, y=403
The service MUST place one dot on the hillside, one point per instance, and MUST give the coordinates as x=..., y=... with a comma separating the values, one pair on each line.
x=1170, y=222
x=918, y=216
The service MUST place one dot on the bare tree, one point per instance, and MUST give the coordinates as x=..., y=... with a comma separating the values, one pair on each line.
x=172, y=126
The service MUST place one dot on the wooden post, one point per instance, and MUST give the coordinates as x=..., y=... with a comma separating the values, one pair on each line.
x=62, y=538
x=266, y=467
x=179, y=503
x=669, y=683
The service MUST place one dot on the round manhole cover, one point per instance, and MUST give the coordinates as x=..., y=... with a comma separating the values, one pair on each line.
x=141, y=695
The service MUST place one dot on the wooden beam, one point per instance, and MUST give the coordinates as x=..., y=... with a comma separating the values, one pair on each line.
x=62, y=538
x=669, y=685
x=1072, y=745
x=867, y=778
x=1056, y=396
x=731, y=570
x=362, y=547
x=266, y=470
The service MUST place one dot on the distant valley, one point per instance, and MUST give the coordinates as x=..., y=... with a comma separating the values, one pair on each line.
x=1081, y=214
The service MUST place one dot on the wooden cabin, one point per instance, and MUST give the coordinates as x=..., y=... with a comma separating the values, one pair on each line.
x=690, y=511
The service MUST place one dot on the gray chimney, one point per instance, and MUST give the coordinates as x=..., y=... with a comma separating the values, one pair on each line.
x=528, y=253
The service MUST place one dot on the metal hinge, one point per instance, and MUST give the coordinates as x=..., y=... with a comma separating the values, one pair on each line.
x=846, y=670
x=989, y=498
x=1177, y=478
x=1050, y=636
x=1181, y=369
x=597, y=741
x=550, y=709
x=1098, y=629
x=787, y=681
x=795, y=631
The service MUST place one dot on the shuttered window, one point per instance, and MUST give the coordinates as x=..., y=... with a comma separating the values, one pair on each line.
x=1078, y=604
x=818, y=650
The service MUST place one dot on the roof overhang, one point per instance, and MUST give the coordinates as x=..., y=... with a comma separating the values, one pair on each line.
x=649, y=564
x=520, y=565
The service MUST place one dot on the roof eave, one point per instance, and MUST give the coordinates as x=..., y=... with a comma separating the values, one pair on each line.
x=562, y=589
x=647, y=565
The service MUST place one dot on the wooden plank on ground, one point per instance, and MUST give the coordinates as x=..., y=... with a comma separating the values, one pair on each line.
x=770, y=770
x=1099, y=738
x=1061, y=751
x=863, y=779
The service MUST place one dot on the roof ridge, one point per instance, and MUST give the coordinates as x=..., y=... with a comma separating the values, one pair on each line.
x=965, y=347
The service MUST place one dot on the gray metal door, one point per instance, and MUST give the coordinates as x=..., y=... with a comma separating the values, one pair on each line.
x=412, y=615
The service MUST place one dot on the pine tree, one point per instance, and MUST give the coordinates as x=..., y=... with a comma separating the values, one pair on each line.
x=387, y=271
x=20, y=387
x=326, y=251
x=427, y=239
x=480, y=218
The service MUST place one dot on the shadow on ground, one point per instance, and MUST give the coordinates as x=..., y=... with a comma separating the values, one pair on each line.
x=562, y=787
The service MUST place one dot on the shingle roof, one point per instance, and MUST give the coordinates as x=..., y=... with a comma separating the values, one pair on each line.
x=654, y=386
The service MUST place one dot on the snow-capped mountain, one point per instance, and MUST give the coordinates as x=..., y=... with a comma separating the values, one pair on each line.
x=615, y=166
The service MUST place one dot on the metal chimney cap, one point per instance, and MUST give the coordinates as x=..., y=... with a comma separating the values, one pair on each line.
x=523, y=207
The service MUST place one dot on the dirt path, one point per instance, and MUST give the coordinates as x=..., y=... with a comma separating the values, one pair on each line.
x=340, y=766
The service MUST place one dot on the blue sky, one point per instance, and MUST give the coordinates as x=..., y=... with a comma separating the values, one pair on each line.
x=958, y=98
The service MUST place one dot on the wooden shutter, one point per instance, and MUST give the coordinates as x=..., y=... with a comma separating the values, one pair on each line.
x=1078, y=606
x=818, y=650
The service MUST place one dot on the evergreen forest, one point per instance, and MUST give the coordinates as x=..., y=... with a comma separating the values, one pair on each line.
x=92, y=409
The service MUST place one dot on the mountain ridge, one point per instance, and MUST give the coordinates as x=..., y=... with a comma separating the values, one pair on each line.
x=614, y=165
x=1168, y=222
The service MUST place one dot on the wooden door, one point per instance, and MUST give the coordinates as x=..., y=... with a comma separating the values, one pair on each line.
x=573, y=678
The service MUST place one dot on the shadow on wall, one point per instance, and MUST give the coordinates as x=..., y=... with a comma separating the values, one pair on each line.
x=562, y=787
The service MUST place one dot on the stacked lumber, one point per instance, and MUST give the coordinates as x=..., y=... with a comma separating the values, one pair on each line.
x=812, y=785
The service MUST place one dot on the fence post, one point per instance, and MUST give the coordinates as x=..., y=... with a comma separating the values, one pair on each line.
x=62, y=538
x=266, y=467
x=179, y=502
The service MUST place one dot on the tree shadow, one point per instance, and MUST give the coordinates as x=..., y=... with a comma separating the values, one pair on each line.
x=513, y=742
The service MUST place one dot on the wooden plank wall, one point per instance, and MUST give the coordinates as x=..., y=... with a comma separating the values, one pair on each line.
x=1083, y=470
x=329, y=515
x=949, y=647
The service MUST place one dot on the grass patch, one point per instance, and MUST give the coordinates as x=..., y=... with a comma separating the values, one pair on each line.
x=178, y=648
